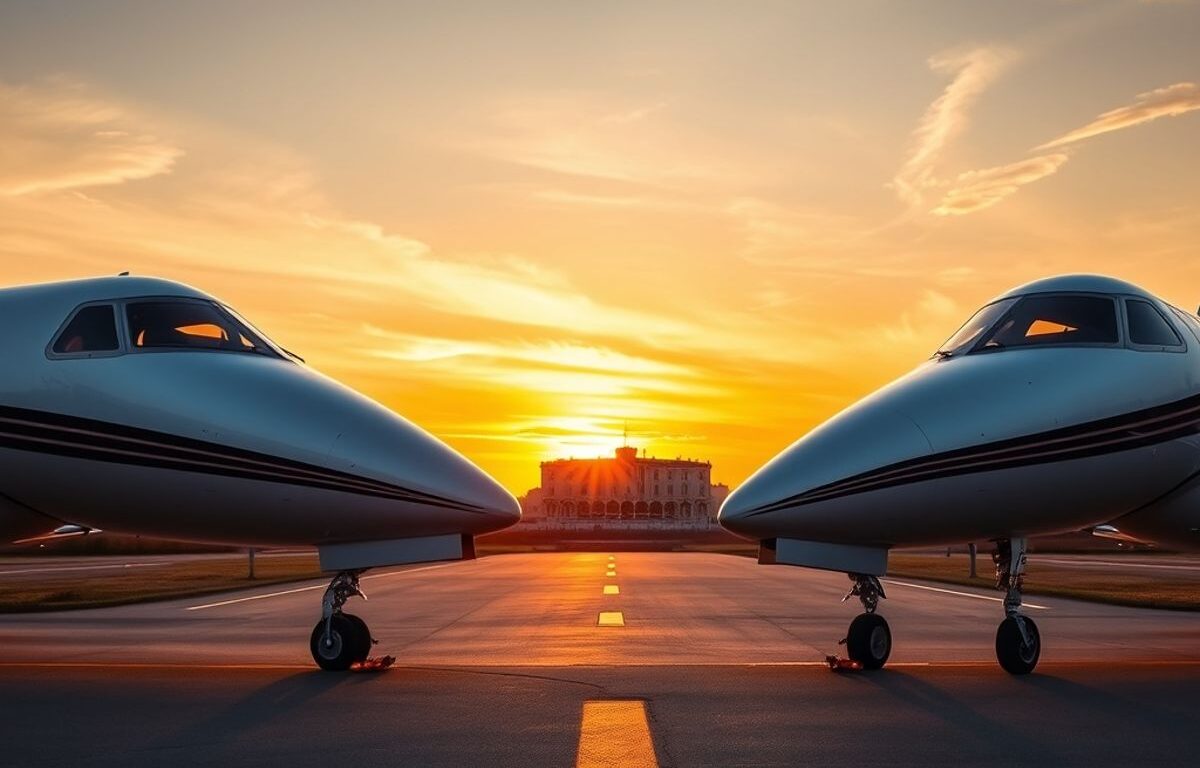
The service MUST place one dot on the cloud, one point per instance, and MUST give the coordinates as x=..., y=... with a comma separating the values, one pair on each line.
x=648, y=202
x=973, y=71
x=58, y=138
x=976, y=190
x=1170, y=101
x=551, y=354
x=587, y=137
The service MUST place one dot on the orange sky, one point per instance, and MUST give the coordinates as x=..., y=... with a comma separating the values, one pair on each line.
x=526, y=228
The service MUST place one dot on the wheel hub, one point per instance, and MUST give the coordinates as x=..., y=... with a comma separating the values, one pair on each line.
x=331, y=645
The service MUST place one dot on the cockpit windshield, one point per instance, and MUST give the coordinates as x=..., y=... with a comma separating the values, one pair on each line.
x=191, y=324
x=1037, y=321
x=980, y=322
x=1041, y=320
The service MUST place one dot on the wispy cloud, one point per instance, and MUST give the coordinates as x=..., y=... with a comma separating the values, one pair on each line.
x=590, y=137
x=645, y=202
x=1170, y=101
x=976, y=190
x=58, y=137
x=566, y=355
x=973, y=71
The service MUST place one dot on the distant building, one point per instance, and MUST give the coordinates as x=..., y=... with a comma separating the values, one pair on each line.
x=627, y=492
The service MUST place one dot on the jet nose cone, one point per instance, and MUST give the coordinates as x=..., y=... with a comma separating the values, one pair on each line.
x=438, y=470
x=787, y=496
x=497, y=500
x=449, y=489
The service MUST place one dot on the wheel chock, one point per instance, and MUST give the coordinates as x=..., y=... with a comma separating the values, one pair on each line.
x=373, y=664
x=838, y=664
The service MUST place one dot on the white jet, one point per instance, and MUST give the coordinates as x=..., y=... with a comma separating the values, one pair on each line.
x=143, y=406
x=1071, y=403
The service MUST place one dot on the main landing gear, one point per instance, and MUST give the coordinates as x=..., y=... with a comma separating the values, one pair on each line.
x=340, y=640
x=869, y=639
x=1018, y=644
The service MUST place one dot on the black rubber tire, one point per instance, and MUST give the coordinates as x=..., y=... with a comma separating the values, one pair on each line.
x=1014, y=655
x=869, y=641
x=362, y=636
x=339, y=653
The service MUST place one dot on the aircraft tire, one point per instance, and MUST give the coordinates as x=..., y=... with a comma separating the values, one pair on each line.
x=869, y=641
x=362, y=637
x=1015, y=655
x=339, y=653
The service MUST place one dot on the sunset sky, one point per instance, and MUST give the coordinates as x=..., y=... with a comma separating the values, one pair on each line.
x=526, y=225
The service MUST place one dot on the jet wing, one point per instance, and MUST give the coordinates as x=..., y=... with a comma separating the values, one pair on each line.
x=61, y=532
x=1112, y=532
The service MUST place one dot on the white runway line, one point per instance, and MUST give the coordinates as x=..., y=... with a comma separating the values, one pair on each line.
x=64, y=568
x=281, y=593
x=962, y=594
x=1106, y=563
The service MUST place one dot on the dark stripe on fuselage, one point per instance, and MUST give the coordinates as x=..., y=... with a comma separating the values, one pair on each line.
x=1138, y=429
x=61, y=435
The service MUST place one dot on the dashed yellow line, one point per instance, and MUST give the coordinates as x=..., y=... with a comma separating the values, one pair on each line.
x=612, y=589
x=611, y=619
x=615, y=733
x=610, y=574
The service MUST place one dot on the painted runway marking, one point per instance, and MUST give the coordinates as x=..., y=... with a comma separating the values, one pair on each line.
x=962, y=594
x=1106, y=563
x=297, y=590
x=611, y=619
x=610, y=574
x=931, y=665
x=615, y=733
x=612, y=589
x=60, y=569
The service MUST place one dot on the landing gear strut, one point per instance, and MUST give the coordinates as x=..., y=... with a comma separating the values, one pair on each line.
x=340, y=639
x=869, y=639
x=1018, y=644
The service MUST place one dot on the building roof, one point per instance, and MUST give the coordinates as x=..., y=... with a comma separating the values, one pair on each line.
x=637, y=459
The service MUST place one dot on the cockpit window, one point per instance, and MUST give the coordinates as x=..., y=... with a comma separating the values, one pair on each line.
x=1045, y=320
x=93, y=329
x=1147, y=325
x=1190, y=320
x=190, y=325
x=974, y=328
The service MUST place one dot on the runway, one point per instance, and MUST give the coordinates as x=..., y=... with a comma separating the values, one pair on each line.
x=503, y=661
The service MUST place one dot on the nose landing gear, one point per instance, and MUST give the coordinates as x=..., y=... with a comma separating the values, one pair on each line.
x=1018, y=643
x=339, y=639
x=869, y=639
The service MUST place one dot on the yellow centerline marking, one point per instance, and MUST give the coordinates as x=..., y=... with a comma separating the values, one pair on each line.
x=611, y=619
x=610, y=573
x=311, y=588
x=612, y=589
x=615, y=733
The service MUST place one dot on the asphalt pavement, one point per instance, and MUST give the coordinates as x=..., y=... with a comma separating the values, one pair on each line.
x=505, y=661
